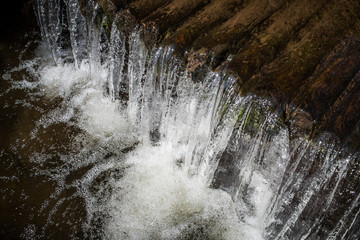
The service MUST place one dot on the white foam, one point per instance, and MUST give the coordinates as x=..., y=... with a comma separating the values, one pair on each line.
x=101, y=117
x=62, y=80
x=157, y=197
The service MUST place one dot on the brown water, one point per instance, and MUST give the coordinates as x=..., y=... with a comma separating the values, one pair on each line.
x=27, y=193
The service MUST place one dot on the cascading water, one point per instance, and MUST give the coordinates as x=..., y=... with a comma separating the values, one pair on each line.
x=124, y=145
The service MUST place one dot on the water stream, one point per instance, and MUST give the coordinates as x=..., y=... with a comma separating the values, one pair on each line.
x=115, y=141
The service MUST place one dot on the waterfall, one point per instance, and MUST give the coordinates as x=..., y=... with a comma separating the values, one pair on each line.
x=155, y=154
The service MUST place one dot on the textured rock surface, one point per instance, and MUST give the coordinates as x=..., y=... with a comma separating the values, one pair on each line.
x=302, y=54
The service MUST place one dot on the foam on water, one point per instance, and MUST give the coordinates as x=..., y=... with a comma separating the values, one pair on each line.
x=62, y=80
x=163, y=193
x=156, y=199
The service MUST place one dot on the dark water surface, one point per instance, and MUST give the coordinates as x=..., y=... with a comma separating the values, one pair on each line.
x=24, y=189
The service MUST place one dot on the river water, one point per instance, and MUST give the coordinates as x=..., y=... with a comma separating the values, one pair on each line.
x=103, y=138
